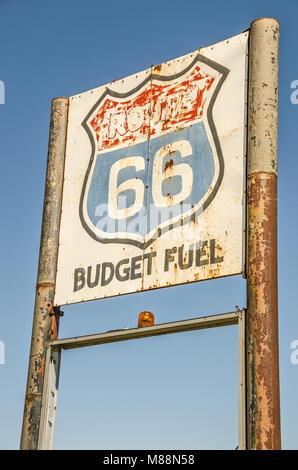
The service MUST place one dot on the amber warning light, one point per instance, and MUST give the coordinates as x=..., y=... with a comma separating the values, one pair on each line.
x=145, y=319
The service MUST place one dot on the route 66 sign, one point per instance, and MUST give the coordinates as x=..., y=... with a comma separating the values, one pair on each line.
x=154, y=171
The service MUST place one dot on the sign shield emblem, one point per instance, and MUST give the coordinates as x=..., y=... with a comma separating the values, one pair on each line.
x=156, y=160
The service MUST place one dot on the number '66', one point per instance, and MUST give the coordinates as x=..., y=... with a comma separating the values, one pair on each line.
x=183, y=170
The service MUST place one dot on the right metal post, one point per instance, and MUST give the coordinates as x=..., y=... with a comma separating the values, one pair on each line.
x=263, y=401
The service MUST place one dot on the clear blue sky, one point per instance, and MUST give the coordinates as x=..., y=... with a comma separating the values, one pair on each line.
x=176, y=391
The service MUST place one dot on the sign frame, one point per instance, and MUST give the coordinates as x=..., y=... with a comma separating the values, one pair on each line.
x=205, y=238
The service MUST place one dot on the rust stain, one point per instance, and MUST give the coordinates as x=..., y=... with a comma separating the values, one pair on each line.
x=30, y=399
x=41, y=368
x=169, y=164
x=263, y=389
x=175, y=271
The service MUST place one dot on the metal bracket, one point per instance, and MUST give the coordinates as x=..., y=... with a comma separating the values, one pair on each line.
x=53, y=310
x=239, y=312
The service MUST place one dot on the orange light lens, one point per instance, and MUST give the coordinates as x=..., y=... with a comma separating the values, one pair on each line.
x=146, y=319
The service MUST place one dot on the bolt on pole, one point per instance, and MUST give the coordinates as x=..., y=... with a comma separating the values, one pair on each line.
x=263, y=401
x=46, y=319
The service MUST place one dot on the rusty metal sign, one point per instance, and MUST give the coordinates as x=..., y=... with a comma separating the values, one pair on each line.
x=154, y=178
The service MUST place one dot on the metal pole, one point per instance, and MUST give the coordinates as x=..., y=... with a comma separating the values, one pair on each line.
x=263, y=403
x=241, y=381
x=46, y=319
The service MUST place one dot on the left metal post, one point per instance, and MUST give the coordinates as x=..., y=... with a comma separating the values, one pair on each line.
x=46, y=318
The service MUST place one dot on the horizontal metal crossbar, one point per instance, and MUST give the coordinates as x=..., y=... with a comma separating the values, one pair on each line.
x=112, y=336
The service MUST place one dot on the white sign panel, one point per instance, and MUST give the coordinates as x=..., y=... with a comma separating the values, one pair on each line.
x=154, y=177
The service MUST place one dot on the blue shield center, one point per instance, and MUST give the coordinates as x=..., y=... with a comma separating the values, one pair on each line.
x=149, y=214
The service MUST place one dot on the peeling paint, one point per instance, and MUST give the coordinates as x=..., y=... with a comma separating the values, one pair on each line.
x=263, y=401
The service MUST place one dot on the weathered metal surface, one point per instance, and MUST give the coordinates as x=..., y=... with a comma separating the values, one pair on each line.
x=154, y=175
x=263, y=402
x=49, y=398
x=46, y=320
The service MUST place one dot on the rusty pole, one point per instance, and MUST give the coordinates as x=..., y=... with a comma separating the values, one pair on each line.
x=46, y=319
x=263, y=403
